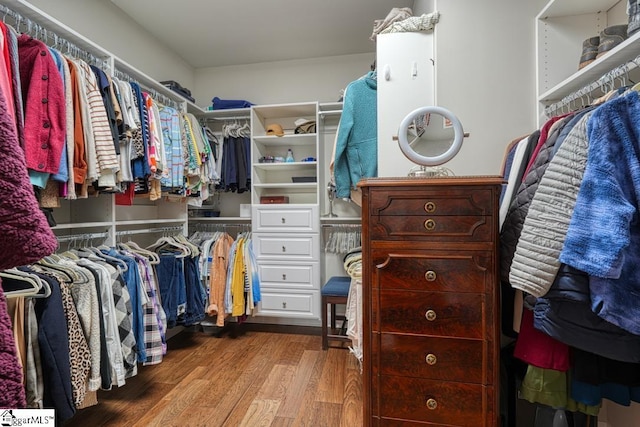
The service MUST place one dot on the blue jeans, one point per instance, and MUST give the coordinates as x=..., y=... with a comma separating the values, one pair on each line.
x=171, y=284
x=195, y=292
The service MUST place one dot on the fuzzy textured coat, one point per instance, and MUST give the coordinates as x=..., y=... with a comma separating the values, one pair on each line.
x=26, y=237
x=603, y=238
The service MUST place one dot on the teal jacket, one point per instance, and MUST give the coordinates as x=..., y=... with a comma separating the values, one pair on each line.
x=356, y=154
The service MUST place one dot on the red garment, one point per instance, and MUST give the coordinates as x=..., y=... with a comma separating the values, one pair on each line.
x=539, y=349
x=544, y=133
x=44, y=106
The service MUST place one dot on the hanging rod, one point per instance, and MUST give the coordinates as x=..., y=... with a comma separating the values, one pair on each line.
x=40, y=32
x=357, y=226
x=606, y=80
x=224, y=119
x=149, y=230
x=84, y=236
x=157, y=96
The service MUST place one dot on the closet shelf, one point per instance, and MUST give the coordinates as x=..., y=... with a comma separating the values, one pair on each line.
x=296, y=166
x=575, y=7
x=232, y=113
x=624, y=52
x=178, y=221
x=308, y=139
x=145, y=80
x=220, y=219
x=290, y=187
x=96, y=224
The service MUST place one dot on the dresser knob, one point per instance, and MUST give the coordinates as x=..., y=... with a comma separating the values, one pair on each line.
x=430, y=207
x=430, y=276
x=284, y=305
x=431, y=359
x=432, y=404
x=284, y=277
x=430, y=315
x=283, y=220
x=429, y=224
x=284, y=249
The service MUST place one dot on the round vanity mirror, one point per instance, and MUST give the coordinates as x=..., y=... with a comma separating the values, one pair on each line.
x=430, y=136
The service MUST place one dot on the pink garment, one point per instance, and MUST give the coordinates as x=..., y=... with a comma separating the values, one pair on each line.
x=539, y=349
x=43, y=97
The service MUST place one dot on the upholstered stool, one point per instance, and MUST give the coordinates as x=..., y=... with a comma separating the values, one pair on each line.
x=335, y=291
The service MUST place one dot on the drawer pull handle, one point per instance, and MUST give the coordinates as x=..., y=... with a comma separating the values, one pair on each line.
x=283, y=220
x=430, y=276
x=284, y=249
x=430, y=315
x=429, y=224
x=284, y=277
x=284, y=305
x=431, y=359
x=430, y=207
x=432, y=404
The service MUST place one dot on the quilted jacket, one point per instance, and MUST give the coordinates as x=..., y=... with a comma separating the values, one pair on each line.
x=536, y=259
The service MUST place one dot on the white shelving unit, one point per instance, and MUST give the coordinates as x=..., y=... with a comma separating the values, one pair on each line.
x=286, y=236
x=561, y=28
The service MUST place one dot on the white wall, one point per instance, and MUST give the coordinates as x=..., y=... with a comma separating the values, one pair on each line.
x=485, y=74
x=106, y=25
x=318, y=79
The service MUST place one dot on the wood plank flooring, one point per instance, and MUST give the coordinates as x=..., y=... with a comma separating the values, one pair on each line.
x=258, y=378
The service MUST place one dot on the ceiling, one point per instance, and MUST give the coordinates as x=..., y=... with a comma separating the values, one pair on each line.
x=215, y=33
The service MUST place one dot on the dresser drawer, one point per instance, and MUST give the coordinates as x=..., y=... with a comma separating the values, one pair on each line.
x=465, y=201
x=290, y=304
x=433, y=228
x=446, y=314
x=286, y=247
x=431, y=401
x=449, y=271
x=285, y=219
x=447, y=359
x=298, y=276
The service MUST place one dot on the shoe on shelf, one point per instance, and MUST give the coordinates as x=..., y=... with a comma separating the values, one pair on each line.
x=611, y=37
x=633, y=10
x=589, y=51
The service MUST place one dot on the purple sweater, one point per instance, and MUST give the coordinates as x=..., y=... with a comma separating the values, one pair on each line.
x=26, y=238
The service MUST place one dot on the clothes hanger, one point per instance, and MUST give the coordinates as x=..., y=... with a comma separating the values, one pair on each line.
x=134, y=247
x=53, y=262
x=168, y=241
x=195, y=251
x=106, y=257
x=15, y=285
x=45, y=289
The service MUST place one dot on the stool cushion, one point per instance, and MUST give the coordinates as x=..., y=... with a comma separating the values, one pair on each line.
x=337, y=286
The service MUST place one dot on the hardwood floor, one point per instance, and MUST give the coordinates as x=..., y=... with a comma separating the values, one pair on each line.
x=258, y=378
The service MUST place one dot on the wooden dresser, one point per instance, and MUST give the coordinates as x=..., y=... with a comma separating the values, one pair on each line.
x=430, y=301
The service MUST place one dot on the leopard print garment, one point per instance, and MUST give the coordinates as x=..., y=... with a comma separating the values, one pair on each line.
x=79, y=354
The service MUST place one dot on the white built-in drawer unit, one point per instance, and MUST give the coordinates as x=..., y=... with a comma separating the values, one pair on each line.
x=285, y=218
x=286, y=236
x=298, y=276
x=290, y=304
x=299, y=247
